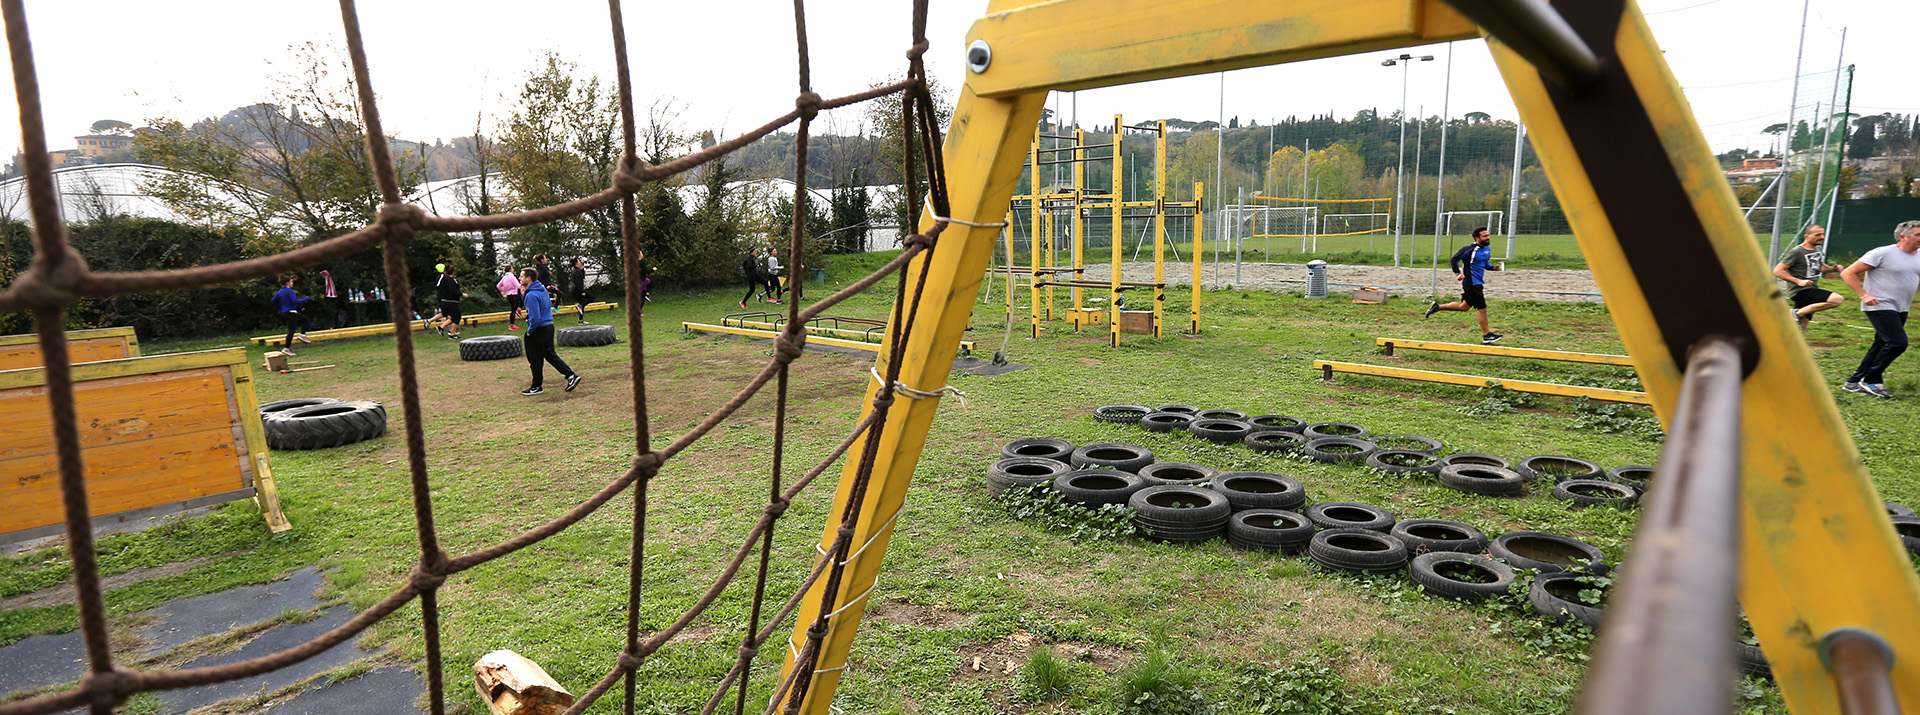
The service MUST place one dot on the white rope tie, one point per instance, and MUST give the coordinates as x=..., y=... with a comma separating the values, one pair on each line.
x=913, y=394
x=937, y=217
x=863, y=547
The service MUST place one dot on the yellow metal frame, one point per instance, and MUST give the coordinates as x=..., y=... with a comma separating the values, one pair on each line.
x=247, y=402
x=816, y=335
x=1807, y=503
x=1502, y=351
x=1543, y=388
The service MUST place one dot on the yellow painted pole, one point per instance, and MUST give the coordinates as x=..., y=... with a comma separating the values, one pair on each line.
x=1199, y=220
x=1052, y=259
x=1033, y=244
x=1807, y=505
x=1008, y=233
x=983, y=153
x=1079, y=225
x=1160, y=228
x=1113, y=241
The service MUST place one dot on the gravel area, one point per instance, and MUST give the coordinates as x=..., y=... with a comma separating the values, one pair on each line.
x=1519, y=284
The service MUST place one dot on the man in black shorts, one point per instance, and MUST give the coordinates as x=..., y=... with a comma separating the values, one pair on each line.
x=448, y=290
x=1470, y=266
x=1799, y=273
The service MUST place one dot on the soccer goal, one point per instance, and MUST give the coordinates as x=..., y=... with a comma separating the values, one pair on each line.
x=1460, y=223
x=1271, y=222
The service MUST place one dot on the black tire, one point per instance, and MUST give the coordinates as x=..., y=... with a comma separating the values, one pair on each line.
x=1337, y=449
x=1467, y=577
x=1893, y=508
x=585, y=336
x=1637, y=476
x=323, y=426
x=1181, y=473
x=1404, y=461
x=1097, y=487
x=1181, y=409
x=1283, y=423
x=1596, y=492
x=1908, y=527
x=1482, y=479
x=1334, y=429
x=1753, y=662
x=1350, y=515
x=1357, y=550
x=1269, y=530
x=1111, y=455
x=1179, y=513
x=1165, y=421
x=1219, y=431
x=1558, y=468
x=1260, y=490
x=1016, y=472
x=1234, y=415
x=1485, y=460
x=490, y=347
x=1408, y=443
x=279, y=406
x=1552, y=597
x=1058, y=450
x=1273, y=440
x=1546, y=553
x=1120, y=414
x=1425, y=536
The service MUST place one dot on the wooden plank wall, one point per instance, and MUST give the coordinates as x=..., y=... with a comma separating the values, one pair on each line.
x=21, y=351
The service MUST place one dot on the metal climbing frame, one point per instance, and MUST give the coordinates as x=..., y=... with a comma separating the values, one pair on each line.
x=1819, y=570
x=1041, y=273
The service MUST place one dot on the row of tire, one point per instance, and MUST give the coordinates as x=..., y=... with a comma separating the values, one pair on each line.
x=501, y=347
x=1182, y=502
x=321, y=422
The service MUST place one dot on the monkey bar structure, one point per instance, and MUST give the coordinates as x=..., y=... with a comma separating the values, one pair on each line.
x=1762, y=493
x=1081, y=204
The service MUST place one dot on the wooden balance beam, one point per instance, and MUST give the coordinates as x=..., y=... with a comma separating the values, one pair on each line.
x=361, y=331
x=1501, y=351
x=1328, y=367
x=812, y=337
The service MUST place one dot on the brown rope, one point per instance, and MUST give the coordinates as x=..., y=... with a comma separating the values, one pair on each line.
x=58, y=278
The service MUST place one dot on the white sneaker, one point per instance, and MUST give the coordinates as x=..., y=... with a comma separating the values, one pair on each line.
x=303, y=338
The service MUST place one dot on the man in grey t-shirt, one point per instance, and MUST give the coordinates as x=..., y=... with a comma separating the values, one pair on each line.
x=1886, y=279
x=1799, y=275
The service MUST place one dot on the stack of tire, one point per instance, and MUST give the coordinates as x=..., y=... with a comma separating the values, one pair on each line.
x=321, y=422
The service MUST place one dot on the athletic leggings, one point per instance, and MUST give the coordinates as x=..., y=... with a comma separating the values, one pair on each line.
x=515, y=306
x=296, y=323
x=539, y=343
x=754, y=283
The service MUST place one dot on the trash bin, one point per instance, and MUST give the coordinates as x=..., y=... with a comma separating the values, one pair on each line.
x=816, y=275
x=1316, y=279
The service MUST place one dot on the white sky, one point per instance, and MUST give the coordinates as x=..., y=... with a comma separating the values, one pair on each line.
x=436, y=62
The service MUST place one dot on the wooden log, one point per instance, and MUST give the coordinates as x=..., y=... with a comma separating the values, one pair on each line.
x=513, y=685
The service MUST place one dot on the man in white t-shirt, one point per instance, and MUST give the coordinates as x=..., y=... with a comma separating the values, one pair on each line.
x=1886, y=279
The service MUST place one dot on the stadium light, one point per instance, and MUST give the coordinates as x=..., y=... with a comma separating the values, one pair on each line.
x=1400, y=176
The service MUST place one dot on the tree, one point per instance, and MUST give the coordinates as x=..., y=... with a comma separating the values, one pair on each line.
x=883, y=116
x=1865, y=143
x=559, y=145
x=110, y=126
x=1478, y=117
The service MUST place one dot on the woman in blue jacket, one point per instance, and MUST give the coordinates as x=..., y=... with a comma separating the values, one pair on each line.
x=287, y=304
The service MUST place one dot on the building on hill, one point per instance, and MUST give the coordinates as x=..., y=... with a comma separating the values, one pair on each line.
x=103, y=145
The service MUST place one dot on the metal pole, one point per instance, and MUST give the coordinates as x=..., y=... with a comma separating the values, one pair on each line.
x=1826, y=140
x=1219, y=156
x=1440, y=184
x=1239, y=214
x=1419, y=146
x=1400, y=175
x=1306, y=165
x=1841, y=163
x=1513, y=193
x=1786, y=163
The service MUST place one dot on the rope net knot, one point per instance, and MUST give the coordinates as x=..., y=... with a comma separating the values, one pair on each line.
x=809, y=105
x=647, y=465
x=52, y=286
x=111, y=688
x=631, y=661
x=626, y=178
x=401, y=220
x=788, y=346
x=777, y=507
x=429, y=573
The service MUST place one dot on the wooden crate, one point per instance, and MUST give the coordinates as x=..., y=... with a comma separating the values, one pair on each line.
x=21, y=351
x=158, y=435
x=1136, y=321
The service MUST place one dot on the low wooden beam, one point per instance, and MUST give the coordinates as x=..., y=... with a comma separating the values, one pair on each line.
x=1329, y=367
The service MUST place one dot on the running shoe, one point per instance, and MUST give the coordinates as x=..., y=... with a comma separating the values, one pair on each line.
x=1490, y=338
x=1855, y=387
x=743, y=305
x=303, y=338
x=573, y=381
x=1876, y=389
x=1433, y=306
x=531, y=391
x=287, y=352
x=513, y=327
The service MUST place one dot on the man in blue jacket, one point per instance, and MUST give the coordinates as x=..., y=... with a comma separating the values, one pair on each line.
x=287, y=304
x=1470, y=265
x=539, y=338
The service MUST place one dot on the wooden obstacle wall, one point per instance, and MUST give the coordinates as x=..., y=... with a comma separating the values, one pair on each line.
x=19, y=351
x=158, y=435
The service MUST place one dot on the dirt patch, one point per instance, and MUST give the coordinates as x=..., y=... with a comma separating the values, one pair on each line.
x=63, y=594
x=905, y=613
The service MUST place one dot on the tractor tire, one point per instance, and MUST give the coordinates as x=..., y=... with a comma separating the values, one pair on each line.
x=491, y=347
x=277, y=407
x=585, y=336
x=323, y=426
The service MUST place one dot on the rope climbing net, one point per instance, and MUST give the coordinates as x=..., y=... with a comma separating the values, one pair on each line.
x=58, y=279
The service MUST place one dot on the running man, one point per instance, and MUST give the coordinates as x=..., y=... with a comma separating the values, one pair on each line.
x=287, y=304
x=1470, y=265
x=448, y=289
x=1799, y=272
x=1886, y=279
x=539, y=337
x=578, y=277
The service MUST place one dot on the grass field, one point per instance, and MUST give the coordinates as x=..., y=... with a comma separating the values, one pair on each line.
x=1130, y=626
x=1541, y=251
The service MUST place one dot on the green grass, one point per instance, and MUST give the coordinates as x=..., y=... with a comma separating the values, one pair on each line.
x=1529, y=251
x=963, y=578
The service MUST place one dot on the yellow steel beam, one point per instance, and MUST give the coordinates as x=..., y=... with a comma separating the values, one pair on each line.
x=1082, y=44
x=1113, y=235
x=1328, y=367
x=1193, y=318
x=983, y=152
x=1079, y=225
x=1502, y=351
x=815, y=335
x=361, y=331
x=1807, y=503
x=1160, y=227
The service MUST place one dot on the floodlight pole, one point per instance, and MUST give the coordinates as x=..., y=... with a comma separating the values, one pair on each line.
x=1786, y=162
x=1440, y=183
x=1826, y=140
x=1513, y=194
x=1400, y=175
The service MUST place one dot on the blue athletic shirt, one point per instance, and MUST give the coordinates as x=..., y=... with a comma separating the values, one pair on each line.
x=1476, y=257
x=539, y=306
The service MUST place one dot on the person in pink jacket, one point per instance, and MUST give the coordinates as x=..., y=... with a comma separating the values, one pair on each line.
x=509, y=286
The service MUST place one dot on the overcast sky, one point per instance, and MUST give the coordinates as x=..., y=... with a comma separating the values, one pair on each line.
x=730, y=63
